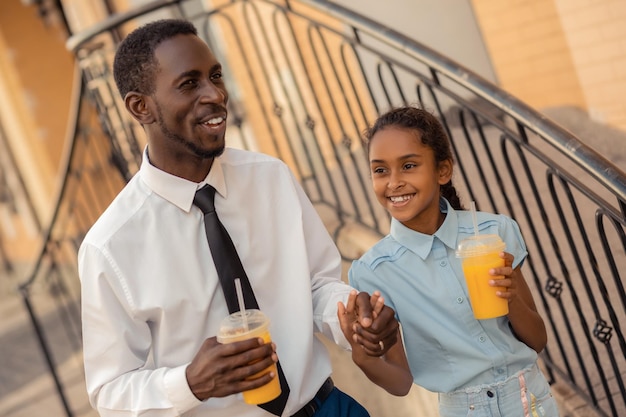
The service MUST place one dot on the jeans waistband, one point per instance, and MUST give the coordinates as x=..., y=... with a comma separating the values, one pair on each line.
x=474, y=393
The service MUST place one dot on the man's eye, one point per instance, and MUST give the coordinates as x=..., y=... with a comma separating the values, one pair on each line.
x=189, y=83
x=216, y=76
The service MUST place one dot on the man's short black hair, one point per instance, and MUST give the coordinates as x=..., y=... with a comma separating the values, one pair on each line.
x=134, y=65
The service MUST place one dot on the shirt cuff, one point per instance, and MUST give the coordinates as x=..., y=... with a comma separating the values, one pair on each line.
x=178, y=390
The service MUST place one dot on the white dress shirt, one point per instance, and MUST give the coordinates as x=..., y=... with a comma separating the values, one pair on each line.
x=151, y=295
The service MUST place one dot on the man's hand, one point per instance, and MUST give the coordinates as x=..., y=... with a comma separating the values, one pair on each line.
x=219, y=370
x=376, y=329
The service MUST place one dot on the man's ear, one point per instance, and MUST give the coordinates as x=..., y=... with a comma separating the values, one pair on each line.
x=445, y=171
x=138, y=106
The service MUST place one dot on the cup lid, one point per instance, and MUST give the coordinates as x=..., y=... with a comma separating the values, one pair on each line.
x=234, y=321
x=478, y=245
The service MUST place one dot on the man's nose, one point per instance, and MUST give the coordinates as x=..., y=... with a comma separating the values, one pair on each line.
x=210, y=93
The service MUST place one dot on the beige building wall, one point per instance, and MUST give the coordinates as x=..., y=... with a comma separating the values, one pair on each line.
x=529, y=51
x=36, y=78
x=596, y=35
x=560, y=53
x=37, y=74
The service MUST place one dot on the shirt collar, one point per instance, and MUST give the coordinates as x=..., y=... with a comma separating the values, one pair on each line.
x=177, y=190
x=420, y=243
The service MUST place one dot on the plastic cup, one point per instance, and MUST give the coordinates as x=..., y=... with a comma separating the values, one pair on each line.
x=479, y=254
x=232, y=329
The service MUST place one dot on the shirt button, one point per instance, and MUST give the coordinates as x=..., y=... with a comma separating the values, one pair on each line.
x=459, y=300
x=482, y=339
x=500, y=371
x=443, y=263
x=489, y=394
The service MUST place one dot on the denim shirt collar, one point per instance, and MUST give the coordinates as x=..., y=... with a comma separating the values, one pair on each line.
x=421, y=244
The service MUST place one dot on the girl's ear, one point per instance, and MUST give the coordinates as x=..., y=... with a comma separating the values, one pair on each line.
x=445, y=171
x=138, y=106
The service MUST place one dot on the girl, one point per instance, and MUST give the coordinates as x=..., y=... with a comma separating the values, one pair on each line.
x=483, y=368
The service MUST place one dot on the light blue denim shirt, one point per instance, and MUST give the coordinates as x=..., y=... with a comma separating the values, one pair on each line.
x=421, y=279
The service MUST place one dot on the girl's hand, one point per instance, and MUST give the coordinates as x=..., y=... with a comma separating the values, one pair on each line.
x=507, y=282
x=525, y=321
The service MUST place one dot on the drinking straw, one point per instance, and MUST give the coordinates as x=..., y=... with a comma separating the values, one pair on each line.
x=474, y=218
x=242, y=304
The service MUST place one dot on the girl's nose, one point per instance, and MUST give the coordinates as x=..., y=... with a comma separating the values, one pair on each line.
x=395, y=182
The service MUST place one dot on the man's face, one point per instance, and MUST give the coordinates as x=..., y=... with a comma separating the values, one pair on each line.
x=189, y=105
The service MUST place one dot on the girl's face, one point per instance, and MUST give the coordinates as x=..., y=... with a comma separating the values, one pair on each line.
x=406, y=178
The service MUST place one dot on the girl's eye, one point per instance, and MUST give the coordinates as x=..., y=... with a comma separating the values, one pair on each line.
x=378, y=170
x=409, y=165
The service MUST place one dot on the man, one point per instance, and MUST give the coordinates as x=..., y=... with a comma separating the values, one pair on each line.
x=152, y=300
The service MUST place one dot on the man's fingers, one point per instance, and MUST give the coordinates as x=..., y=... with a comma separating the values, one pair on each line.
x=219, y=369
x=388, y=342
x=370, y=344
x=342, y=315
x=341, y=309
x=385, y=322
x=364, y=309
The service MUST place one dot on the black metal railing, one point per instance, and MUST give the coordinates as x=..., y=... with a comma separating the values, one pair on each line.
x=51, y=292
x=307, y=77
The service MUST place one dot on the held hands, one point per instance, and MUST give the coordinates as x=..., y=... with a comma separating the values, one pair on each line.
x=368, y=323
x=219, y=370
x=386, y=367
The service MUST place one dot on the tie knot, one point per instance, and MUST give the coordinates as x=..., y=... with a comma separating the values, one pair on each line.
x=204, y=199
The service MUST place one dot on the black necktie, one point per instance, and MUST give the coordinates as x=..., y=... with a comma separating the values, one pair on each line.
x=228, y=266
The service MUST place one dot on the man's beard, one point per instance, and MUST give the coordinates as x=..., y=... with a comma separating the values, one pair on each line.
x=199, y=152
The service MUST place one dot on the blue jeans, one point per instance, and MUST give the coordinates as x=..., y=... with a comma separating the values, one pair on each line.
x=340, y=404
x=525, y=394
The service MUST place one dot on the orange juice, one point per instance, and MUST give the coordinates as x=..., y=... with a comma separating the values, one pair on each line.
x=232, y=330
x=485, y=303
x=479, y=254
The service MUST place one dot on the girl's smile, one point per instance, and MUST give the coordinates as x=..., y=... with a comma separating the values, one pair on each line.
x=401, y=200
